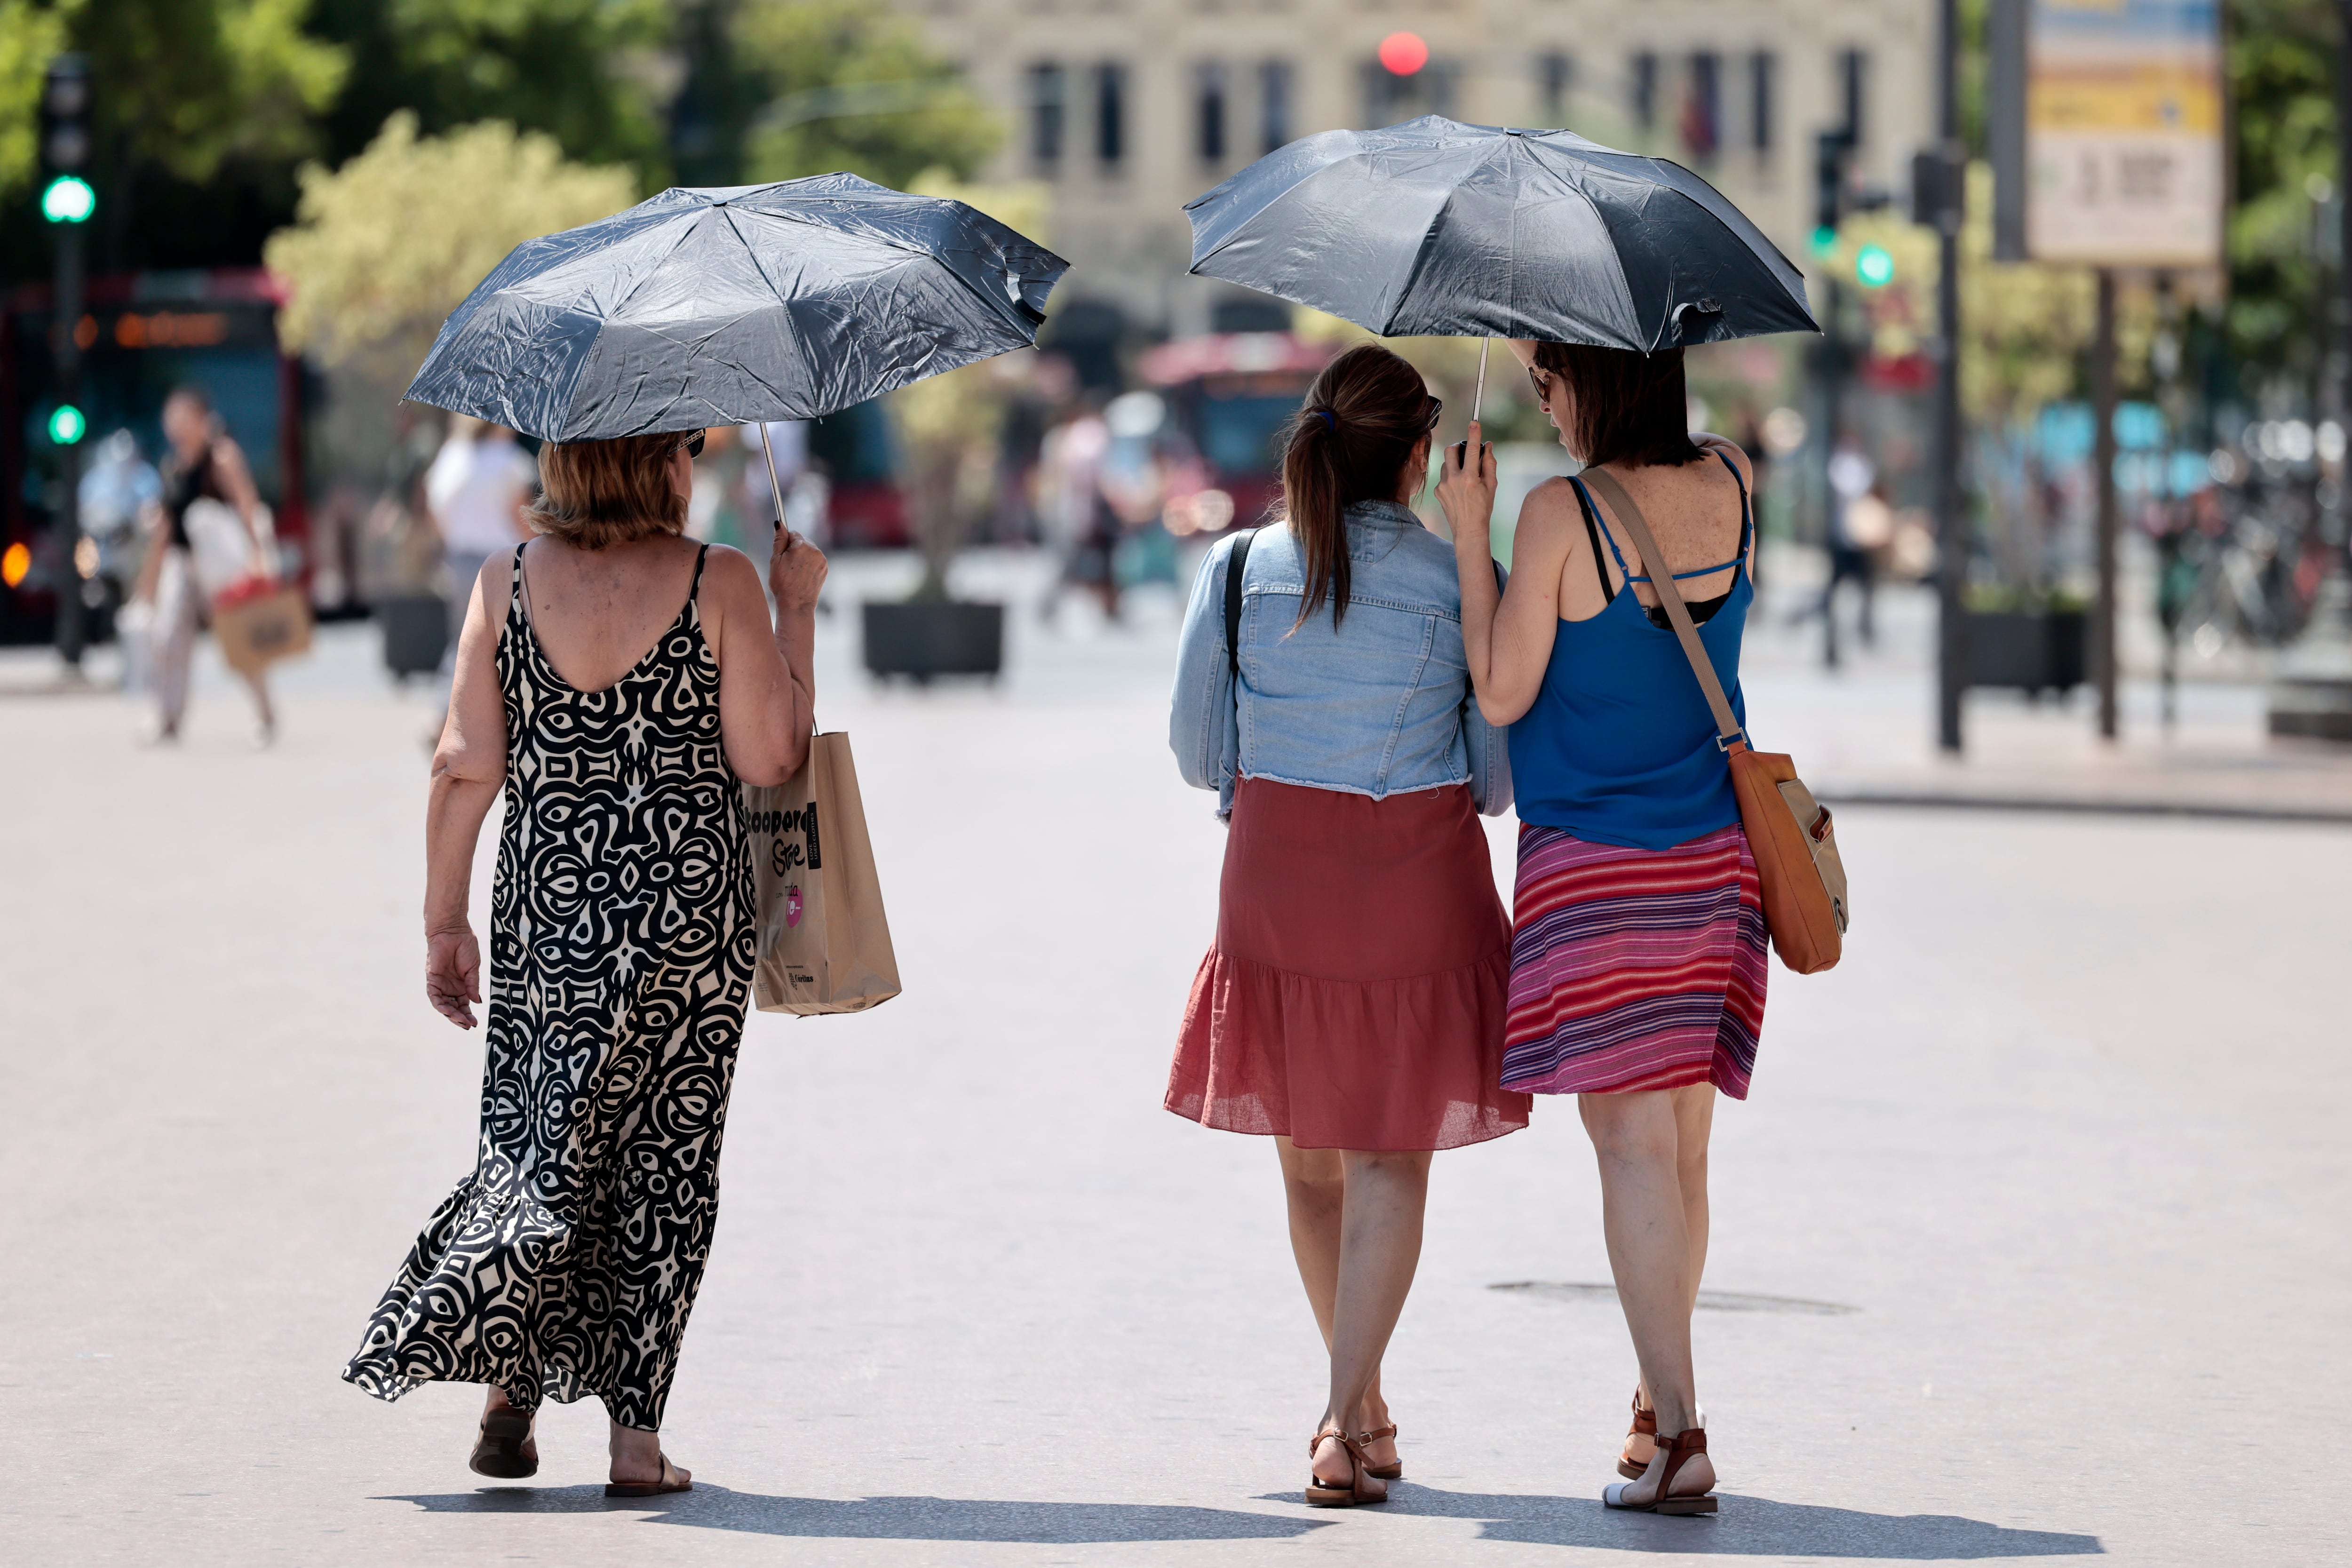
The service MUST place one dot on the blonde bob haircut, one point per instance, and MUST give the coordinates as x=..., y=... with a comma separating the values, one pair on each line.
x=595, y=493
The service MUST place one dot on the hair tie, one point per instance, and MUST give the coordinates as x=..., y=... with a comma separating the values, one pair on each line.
x=1329, y=419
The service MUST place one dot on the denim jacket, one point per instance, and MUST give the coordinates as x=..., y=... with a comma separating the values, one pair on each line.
x=1379, y=706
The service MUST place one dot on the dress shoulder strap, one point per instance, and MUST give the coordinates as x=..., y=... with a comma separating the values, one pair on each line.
x=699, y=557
x=514, y=588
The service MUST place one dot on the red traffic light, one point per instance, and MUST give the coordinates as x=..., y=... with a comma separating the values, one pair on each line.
x=1404, y=53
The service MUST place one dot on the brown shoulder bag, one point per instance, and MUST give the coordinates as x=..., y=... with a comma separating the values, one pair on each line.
x=1789, y=831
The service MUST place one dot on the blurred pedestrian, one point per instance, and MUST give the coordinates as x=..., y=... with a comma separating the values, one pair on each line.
x=1853, y=489
x=1637, y=966
x=648, y=683
x=1352, y=1004
x=203, y=465
x=476, y=491
x=1073, y=514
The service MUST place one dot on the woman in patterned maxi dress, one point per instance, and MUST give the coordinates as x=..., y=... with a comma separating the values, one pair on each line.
x=621, y=946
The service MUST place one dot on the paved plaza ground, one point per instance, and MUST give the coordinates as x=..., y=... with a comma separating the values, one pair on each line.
x=2030, y=1243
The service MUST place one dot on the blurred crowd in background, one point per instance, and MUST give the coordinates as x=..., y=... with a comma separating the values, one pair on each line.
x=289, y=200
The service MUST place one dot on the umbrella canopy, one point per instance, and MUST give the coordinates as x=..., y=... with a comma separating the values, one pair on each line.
x=1440, y=228
x=732, y=305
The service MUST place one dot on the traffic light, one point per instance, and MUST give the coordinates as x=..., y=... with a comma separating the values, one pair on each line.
x=1873, y=266
x=67, y=424
x=1830, y=149
x=66, y=142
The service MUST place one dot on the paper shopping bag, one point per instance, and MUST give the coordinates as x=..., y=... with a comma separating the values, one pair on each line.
x=825, y=946
x=259, y=622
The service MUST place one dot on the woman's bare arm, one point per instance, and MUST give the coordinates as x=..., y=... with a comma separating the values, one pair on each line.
x=767, y=682
x=469, y=767
x=1507, y=636
x=237, y=479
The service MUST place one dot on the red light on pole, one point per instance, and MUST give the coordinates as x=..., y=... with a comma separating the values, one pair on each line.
x=1404, y=53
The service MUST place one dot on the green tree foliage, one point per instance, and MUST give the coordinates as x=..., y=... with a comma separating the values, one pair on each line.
x=2281, y=54
x=849, y=85
x=381, y=252
x=587, y=72
x=29, y=34
x=183, y=85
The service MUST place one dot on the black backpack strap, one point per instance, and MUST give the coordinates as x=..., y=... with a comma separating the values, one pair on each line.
x=1235, y=561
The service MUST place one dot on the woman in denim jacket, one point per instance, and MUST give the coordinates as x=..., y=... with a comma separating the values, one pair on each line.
x=1353, y=1005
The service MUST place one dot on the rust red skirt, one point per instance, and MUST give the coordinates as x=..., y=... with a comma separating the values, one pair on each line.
x=1356, y=994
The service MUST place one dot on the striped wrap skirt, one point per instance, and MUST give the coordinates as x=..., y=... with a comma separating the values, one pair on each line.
x=1634, y=969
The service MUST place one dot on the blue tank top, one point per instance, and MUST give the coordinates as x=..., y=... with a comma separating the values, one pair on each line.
x=1619, y=747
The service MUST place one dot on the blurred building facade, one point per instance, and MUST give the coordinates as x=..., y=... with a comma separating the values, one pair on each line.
x=1127, y=108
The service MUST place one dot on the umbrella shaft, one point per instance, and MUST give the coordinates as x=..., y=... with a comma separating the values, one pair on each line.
x=768, y=450
x=1478, y=398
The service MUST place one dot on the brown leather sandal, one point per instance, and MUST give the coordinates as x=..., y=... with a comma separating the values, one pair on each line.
x=671, y=1481
x=1362, y=1486
x=1679, y=1451
x=1382, y=1472
x=499, y=1452
x=1645, y=1424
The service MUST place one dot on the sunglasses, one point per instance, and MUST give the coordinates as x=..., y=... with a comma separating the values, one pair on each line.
x=1436, y=409
x=1541, y=380
x=692, y=445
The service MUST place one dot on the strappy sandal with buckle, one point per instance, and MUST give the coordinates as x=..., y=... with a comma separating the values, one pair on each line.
x=1645, y=1424
x=671, y=1481
x=1679, y=1451
x=1381, y=1472
x=499, y=1452
x=1362, y=1486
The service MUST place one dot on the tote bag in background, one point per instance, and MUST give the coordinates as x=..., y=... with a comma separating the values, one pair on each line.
x=258, y=622
x=825, y=944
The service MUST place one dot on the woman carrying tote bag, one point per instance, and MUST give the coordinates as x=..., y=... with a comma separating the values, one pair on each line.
x=1352, y=1006
x=617, y=685
x=1638, y=956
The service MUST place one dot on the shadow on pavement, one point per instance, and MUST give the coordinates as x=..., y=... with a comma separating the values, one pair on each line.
x=1747, y=1526
x=888, y=1518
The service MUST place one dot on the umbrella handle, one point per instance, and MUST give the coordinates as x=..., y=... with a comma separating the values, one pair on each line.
x=1478, y=398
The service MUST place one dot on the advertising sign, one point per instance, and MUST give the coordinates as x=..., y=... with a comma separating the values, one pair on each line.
x=2123, y=132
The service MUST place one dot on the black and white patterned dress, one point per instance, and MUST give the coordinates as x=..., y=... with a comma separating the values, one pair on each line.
x=621, y=954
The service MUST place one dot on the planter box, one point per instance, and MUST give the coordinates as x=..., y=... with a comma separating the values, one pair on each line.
x=2311, y=708
x=415, y=632
x=923, y=640
x=2036, y=650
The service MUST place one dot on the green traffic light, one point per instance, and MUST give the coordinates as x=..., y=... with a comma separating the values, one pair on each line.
x=1873, y=266
x=1824, y=240
x=67, y=424
x=69, y=199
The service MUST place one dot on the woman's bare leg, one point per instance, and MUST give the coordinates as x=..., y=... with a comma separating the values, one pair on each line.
x=1379, y=1246
x=1647, y=1218
x=1315, y=1184
x=1693, y=1124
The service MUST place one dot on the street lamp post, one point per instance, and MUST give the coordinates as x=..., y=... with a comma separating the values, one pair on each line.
x=1952, y=530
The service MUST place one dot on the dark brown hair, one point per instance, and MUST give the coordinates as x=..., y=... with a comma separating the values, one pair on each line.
x=595, y=493
x=1623, y=407
x=1363, y=418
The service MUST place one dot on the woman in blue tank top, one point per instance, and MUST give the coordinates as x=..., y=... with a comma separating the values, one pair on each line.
x=1638, y=942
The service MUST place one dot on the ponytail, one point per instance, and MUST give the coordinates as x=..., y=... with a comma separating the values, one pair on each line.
x=1363, y=418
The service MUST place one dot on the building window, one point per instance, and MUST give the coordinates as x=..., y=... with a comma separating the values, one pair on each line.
x=1110, y=113
x=1048, y=102
x=1644, y=82
x=1854, y=68
x=1702, y=126
x=1274, y=93
x=1209, y=112
x=1555, y=79
x=1761, y=68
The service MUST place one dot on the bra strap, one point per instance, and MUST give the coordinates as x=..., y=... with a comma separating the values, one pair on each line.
x=1746, y=508
x=1591, y=511
x=1593, y=534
